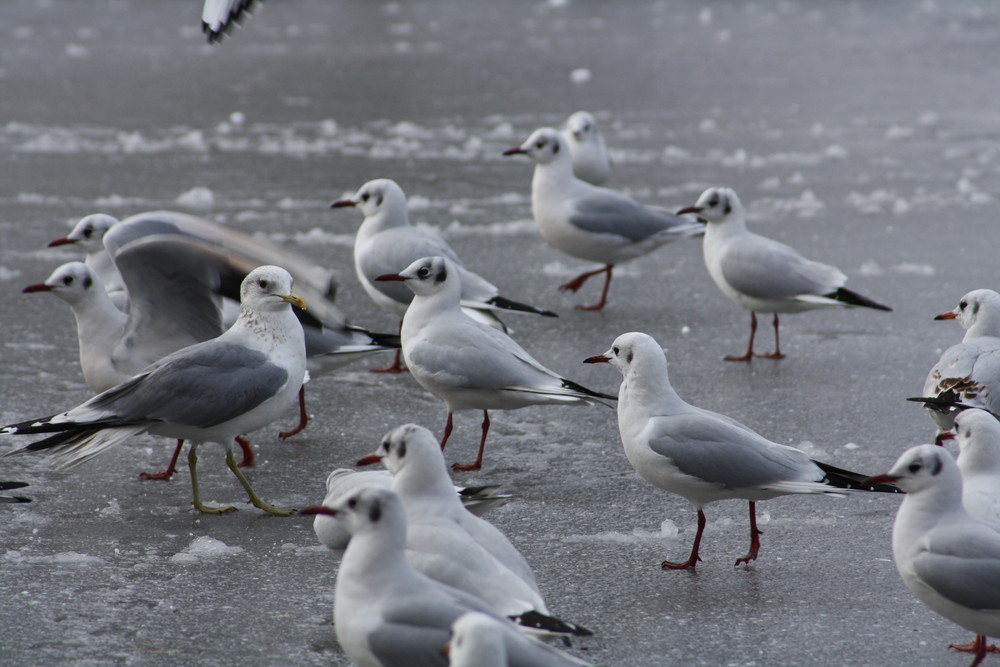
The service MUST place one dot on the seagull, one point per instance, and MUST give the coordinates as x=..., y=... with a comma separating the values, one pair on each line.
x=387, y=613
x=591, y=222
x=343, y=481
x=219, y=16
x=701, y=455
x=948, y=558
x=450, y=545
x=386, y=241
x=967, y=372
x=761, y=274
x=478, y=640
x=88, y=234
x=467, y=364
x=7, y=486
x=209, y=392
x=977, y=433
x=586, y=144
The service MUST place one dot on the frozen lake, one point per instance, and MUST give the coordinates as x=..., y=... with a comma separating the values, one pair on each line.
x=864, y=134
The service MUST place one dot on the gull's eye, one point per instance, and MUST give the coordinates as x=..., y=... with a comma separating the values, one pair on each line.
x=263, y=283
x=615, y=350
x=88, y=232
x=68, y=280
x=915, y=467
x=423, y=272
x=714, y=201
x=963, y=305
x=352, y=502
x=540, y=143
x=365, y=197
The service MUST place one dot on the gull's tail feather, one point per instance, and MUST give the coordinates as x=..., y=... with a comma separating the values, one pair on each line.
x=72, y=448
x=846, y=479
x=504, y=303
x=850, y=298
x=544, y=623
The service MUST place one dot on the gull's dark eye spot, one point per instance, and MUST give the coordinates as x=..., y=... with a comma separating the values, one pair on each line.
x=68, y=280
x=936, y=469
x=555, y=147
x=615, y=350
x=87, y=282
x=915, y=467
x=352, y=502
x=714, y=201
x=263, y=283
x=963, y=305
x=540, y=143
x=401, y=450
x=88, y=232
x=375, y=513
x=365, y=197
x=423, y=272
x=628, y=357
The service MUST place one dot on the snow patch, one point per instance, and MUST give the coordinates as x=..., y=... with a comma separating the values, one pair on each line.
x=204, y=548
x=65, y=558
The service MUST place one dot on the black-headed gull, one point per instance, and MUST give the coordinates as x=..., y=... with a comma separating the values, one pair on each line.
x=209, y=392
x=586, y=144
x=977, y=433
x=763, y=275
x=450, y=545
x=8, y=486
x=467, y=364
x=968, y=372
x=387, y=241
x=478, y=640
x=343, y=481
x=701, y=455
x=386, y=613
x=88, y=234
x=948, y=558
x=588, y=221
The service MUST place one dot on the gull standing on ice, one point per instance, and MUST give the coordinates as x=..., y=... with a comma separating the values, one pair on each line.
x=948, y=558
x=88, y=234
x=969, y=372
x=977, y=433
x=586, y=144
x=761, y=274
x=450, y=545
x=386, y=241
x=467, y=364
x=344, y=481
x=701, y=455
x=209, y=392
x=478, y=640
x=386, y=613
x=591, y=222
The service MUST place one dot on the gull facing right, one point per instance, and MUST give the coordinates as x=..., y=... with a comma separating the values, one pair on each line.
x=467, y=364
x=702, y=455
x=761, y=274
x=591, y=222
x=948, y=558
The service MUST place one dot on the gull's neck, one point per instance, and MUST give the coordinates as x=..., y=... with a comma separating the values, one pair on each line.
x=391, y=215
x=423, y=478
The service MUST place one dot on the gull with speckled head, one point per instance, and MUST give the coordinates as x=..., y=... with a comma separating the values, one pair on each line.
x=208, y=392
x=386, y=613
x=948, y=558
x=591, y=222
x=586, y=143
x=763, y=275
x=386, y=241
x=468, y=365
x=701, y=455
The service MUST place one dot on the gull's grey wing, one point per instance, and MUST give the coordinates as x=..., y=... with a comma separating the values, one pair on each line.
x=604, y=211
x=766, y=269
x=722, y=453
x=202, y=385
x=963, y=565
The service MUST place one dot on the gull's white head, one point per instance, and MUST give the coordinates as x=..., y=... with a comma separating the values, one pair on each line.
x=716, y=205
x=381, y=196
x=427, y=276
x=407, y=446
x=544, y=146
x=978, y=312
x=268, y=288
x=368, y=509
x=922, y=468
x=89, y=232
x=71, y=282
x=631, y=350
x=976, y=429
x=582, y=126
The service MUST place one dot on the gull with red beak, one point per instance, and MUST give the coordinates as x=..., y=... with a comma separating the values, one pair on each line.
x=468, y=365
x=701, y=455
x=386, y=241
x=88, y=234
x=761, y=274
x=591, y=222
x=948, y=558
x=586, y=144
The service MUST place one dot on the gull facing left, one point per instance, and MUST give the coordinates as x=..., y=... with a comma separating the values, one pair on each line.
x=702, y=455
x=763, y=275
x=208, y=392
x=948, y=558
x=467, y=364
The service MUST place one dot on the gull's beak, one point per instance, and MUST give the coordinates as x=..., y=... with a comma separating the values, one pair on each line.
x=391, y=277
x=884, y=478
x=368, y=459
x=577, y=134
x=690, y=209
x=516, y=150
x=446, y=650
x=61, y=241
x=295, y=300
x=37, y=287
x=597, y=359
x=317, y=509
x=342, y=203
x=948, y=315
